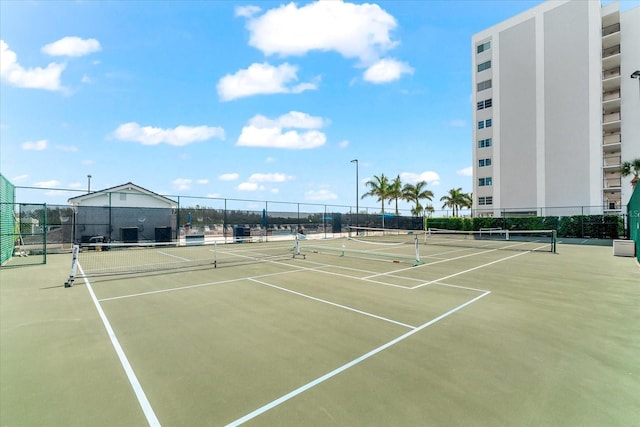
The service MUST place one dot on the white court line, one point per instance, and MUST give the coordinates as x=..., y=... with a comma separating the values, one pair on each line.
x=468, y=270
x=173, y=256
x=346, y=366
x=133, y=380
x=334, y=304
x=200, y=285
x=433, y=263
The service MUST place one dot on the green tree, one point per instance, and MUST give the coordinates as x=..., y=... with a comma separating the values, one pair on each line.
x=631, y=168
x=414, y=194
x=395, y=192
x=378, y=187
x=456, y=200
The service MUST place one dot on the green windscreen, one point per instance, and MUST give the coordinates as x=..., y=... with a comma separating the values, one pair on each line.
x=7, y=219
x=633, y=211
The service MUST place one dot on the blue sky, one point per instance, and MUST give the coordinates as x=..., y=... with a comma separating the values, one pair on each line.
x=246, y=100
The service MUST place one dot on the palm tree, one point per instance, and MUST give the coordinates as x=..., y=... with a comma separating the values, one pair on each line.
x=395, y=191
x=631, y=168
x=455, y=200
x=378, y=187
x=414, y=193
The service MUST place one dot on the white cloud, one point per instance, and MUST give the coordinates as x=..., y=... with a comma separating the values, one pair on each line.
x=179, y=136
x=249, y=186
x=47, y=184
x=88, y=162
x=35, y=145
x=213, y=195
x=72, y=46
x=247, y=11
x=270, y=160
x=20, y=178
x=228, y=177
x=356, y=31
x=386, y=70
x=182, y=183
x=269, y=177
x=293, y=119
x=35, y=78
x=468, y=171
x=260, y=79
x=320, y=195
x=430, y=177
x=264, y=132
x=344, y=143
x=202, y=181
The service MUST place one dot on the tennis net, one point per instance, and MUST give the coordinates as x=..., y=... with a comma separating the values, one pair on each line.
x=107, y=259
x=371, y=243
x=518, y=240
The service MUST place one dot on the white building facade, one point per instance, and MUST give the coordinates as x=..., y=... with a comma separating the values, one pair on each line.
x=556, y=110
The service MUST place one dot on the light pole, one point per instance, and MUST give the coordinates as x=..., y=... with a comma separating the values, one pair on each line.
x=88, y=183
x=636, y=75
x=357, y=195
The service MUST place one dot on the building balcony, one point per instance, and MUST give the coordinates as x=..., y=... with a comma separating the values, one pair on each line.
x=611, y=36
x=612, y=138
x=611, y=105
x=612, y=185
x=611, y=51
x=611, y=117
x=611, y=162
x=611, y=95
x=611, y=72
x=611, y=29
x=611, y=57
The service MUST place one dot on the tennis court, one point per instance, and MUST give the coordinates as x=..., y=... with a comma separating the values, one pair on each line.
x=394, y=330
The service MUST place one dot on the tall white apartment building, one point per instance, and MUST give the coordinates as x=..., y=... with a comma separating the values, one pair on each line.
x=556, y=110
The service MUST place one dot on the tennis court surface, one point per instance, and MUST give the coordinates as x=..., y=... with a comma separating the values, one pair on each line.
x=347, y=332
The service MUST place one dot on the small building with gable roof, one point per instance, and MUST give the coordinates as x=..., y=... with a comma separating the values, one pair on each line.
x=125, y=213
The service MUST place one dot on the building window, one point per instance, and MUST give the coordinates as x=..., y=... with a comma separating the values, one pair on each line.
x=484, y=46
x=485, y=124
x=484, y=182
x=484, y=66
x=485, y=200
x=487, y=103
x=483, y=143
x=484, y=162
x=484, y=85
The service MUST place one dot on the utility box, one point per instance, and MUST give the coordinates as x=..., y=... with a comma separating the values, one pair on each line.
x=624, y=248
x=163, y=234
x=129, y=234
x=241, y=234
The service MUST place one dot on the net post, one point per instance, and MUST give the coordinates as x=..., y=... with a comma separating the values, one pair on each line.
x=416, y=244
x=554, y=240
x=296, y=248
x=74, y=266
x=215, y=254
